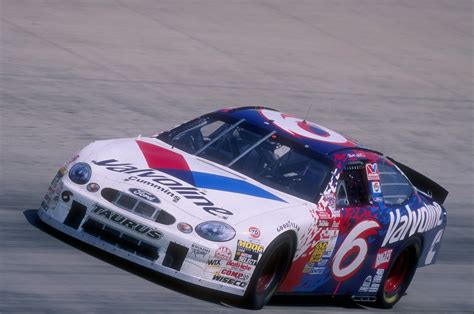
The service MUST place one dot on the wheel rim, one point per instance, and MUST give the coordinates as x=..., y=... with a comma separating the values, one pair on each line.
x=398, y=273
x=269, y=273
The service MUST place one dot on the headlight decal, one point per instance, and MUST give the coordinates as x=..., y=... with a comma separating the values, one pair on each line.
x=215, y=231
x=80, y=173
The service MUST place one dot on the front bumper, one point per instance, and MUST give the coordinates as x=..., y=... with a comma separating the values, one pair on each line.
x=168, y=254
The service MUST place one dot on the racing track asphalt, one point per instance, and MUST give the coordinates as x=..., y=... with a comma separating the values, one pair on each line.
x=397, y=75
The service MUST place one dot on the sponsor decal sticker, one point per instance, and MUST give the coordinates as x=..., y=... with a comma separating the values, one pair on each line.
x=246, y=258
x=223, y=253
x=376, y=187
x=431, y=254
x=234, y=274
x=165, y=184
x=378, y=276
x=52, y=195
x=307, y=268
x=323, y=262
x=331, y=242
x=254, y=232
x=377, y=199
x=366, y=284
x=174, y=197
x=372, y=172
x=244, y=246
x=356, y=155
x=330, y=199
x=248, y=252
x=230, y=281
x=318, y=252
x=374, y=287
x=345, y=264
x=423, y=219
x=317, y=270
x=145, y=195
x=372, y=284
x=288, y=225
x=199, y=251
x=382, y=258
x=323, y=223
x=214, y=262
x=238, y=265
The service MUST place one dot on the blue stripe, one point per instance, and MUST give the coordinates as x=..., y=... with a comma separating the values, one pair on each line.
x=221, y=183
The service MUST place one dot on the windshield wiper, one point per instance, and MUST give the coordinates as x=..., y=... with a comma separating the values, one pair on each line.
x=232, y=127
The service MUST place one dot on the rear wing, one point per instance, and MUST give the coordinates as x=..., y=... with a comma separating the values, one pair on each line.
x=423, y=183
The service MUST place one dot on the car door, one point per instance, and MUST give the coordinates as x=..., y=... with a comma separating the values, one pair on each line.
x=359, y=226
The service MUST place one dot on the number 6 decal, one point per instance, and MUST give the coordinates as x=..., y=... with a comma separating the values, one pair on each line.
x=431, y=254
x=354, y=243
x=297, y=127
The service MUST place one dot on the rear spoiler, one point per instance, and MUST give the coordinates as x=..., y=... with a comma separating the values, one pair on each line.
x=423, y=183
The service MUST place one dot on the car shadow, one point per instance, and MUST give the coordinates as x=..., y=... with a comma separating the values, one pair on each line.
x=314, y=301
x=191, y=290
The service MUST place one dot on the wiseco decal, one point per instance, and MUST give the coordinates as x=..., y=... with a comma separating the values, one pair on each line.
x=229, y=281
x=195, y=195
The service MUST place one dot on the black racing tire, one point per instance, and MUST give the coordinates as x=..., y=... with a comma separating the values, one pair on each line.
x=399, y=274
x=270, y=271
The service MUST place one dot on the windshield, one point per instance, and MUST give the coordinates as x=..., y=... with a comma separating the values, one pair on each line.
x=260, y=154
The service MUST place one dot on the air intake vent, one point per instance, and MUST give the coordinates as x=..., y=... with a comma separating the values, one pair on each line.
x=122, y=240
x=75, y=215
x=165, y=218
x=175, y=255
x=137, y=206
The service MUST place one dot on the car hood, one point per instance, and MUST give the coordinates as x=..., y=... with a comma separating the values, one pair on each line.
x=184, y=182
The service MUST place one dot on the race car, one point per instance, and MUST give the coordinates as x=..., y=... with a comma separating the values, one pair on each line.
x=254, y=202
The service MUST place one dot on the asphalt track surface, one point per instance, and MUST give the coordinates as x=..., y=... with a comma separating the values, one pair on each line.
x=397, y=75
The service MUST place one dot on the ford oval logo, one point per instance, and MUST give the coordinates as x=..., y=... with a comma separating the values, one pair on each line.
x=145, y=195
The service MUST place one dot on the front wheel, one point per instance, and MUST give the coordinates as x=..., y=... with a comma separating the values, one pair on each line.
x=269, y=272
x=399, y=274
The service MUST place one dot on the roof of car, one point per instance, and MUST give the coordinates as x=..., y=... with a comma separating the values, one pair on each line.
x=317, y=137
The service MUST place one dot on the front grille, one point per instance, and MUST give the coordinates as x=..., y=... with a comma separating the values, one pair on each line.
x=75, y=215
x=121, y=240
x=137, y=206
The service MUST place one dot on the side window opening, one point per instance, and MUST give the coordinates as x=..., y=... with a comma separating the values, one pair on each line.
x=395, y=187
x=341, y=194
x=352, y=188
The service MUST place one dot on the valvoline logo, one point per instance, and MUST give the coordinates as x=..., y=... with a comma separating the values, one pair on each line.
x=372, y=171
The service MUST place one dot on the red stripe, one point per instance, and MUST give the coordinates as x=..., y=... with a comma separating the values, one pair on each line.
x=159, y=157
x=337, y=288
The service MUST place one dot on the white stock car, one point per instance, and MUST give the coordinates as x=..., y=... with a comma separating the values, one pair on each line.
x=253, y=202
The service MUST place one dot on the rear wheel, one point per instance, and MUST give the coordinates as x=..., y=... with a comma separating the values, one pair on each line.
x=399, y=274
x=269, y=272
